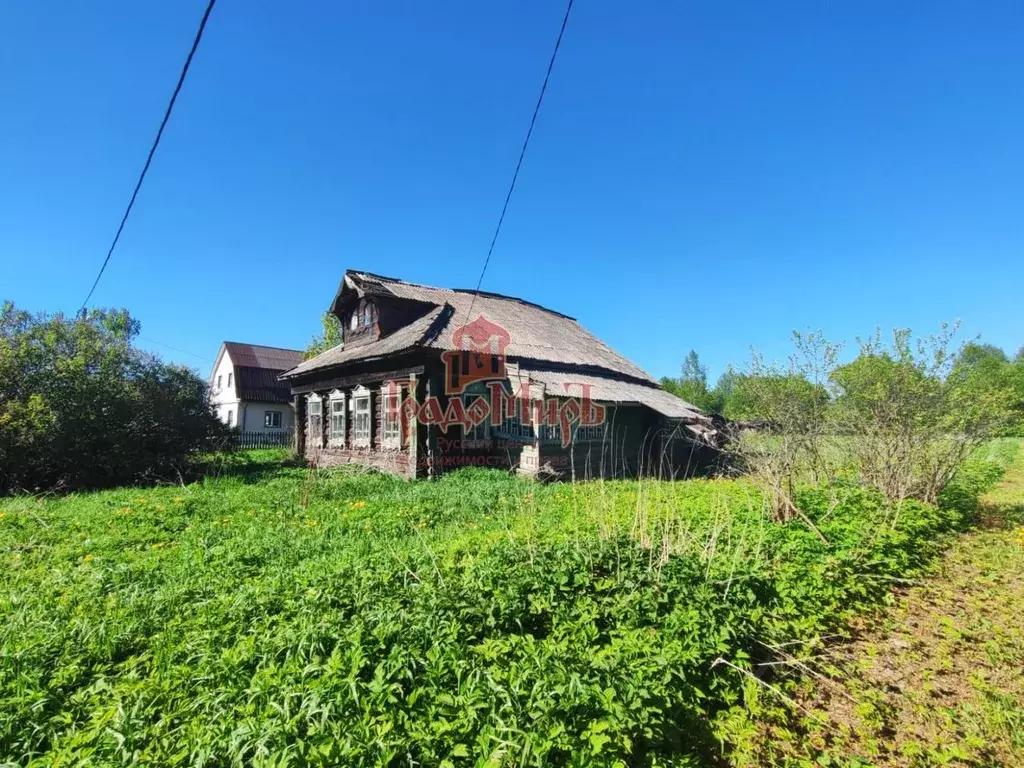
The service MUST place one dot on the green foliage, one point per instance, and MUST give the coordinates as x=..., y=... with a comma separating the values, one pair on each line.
x=917, y=411
x=80, y=407
x=274, y=616
x=692, y=385
x=331, y=335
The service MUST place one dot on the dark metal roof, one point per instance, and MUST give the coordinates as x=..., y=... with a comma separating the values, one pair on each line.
x=258, y=356
x=257, y=369
x=261, y=385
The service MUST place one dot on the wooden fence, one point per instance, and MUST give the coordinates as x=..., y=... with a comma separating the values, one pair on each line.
x=278, y=439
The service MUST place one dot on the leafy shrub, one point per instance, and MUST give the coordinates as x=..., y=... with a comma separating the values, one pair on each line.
x=81, y=408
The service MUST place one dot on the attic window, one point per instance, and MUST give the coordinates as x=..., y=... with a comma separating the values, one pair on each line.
x=367, y=315
x=354, y=321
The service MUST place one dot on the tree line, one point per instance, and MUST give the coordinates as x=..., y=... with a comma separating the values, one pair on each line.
x=736, y=395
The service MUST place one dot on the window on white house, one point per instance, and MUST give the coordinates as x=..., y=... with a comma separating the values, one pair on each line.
x=315, y=421
x=361, y=424
x=230, y=377
x=336, y=436
x=472, y=393
x=219, y=377
x=391, y=416
x=231, y=418
x=272, y=419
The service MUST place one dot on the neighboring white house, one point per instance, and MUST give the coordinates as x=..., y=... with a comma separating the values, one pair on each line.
x=245, y=389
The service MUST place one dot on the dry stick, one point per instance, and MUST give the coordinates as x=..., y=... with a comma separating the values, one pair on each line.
x=802, y=516
x=793, y=661
x=773, y=689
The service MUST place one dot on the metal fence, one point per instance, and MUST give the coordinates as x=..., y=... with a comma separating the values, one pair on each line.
x=278, y=439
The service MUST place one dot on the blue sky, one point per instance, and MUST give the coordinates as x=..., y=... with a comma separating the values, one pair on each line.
x=705, y=175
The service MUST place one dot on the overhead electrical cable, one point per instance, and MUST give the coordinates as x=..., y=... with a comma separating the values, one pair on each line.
x=522, y=154
x=152, y=150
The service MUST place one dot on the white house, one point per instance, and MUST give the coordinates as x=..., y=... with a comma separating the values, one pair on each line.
x=245, y=389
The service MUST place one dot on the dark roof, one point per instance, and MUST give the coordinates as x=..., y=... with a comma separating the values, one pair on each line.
x=258, y=356
x=536, y=333
x=261, y=385
x=257, y=369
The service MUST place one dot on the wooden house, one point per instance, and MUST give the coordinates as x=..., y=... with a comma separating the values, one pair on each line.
x=432, y=379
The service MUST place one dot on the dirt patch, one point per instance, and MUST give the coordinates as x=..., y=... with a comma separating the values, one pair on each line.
x=938, y=680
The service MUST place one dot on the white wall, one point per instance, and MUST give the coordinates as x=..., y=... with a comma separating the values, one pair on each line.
x=253, y=415
x=224, y=398
x=248, y=416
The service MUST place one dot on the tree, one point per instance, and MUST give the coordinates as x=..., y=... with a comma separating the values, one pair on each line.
x=915, y=410
x=80, y=407
x=331, y=335
x=975, y=353
x=692, y=385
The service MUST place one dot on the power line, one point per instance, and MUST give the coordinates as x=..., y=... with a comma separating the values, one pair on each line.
x=182, y=351
x=522, y=154
x=152, y=149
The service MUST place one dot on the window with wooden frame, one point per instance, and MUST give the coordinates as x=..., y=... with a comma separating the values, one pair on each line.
x=362, y=418
x=336, y=428
x=315, y=420
x=271, y=419
x=471, y=394
x=391, y=416
x=231, y=377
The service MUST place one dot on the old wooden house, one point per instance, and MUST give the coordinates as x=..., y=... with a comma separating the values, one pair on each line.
x=432, y=379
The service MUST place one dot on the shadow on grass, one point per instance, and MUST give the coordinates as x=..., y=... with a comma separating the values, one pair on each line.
x=248, y=467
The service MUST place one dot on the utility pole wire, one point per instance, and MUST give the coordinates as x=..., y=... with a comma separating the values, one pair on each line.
x=152, y=150
x=522, y=154
x=182, y=351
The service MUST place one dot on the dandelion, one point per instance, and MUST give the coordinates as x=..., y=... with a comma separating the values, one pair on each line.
x=178, y=499
x=87, y=558
x=2, y=515
x=140, y=500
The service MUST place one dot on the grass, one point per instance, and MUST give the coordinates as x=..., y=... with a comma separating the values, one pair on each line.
x=936, y=680
x=270, y=615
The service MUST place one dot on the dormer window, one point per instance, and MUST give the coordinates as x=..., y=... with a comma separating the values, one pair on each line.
x=354, y=322
x=367, y=315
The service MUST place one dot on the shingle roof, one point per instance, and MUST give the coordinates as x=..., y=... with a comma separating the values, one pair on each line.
x=603, y=389
x=404, y=338
x=535, y=333
x=257, y=369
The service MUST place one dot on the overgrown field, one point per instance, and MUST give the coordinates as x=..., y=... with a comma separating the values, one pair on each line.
x=270, y=616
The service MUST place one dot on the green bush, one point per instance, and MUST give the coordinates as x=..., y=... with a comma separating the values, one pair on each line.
x=333, y=619
x=81, y=408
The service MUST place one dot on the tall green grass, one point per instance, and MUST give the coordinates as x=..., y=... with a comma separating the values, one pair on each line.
x=270, y=615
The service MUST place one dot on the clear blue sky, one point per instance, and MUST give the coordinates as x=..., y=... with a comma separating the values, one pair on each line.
x=708, y=175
